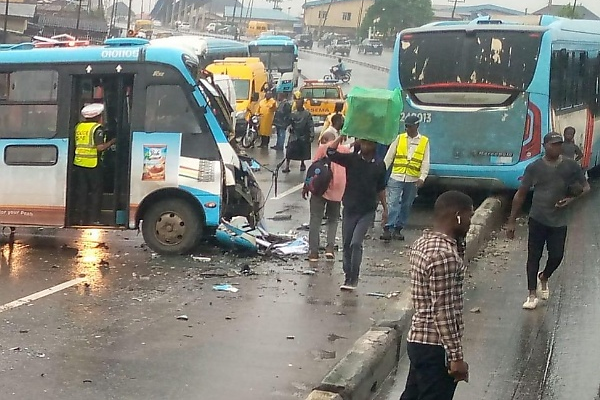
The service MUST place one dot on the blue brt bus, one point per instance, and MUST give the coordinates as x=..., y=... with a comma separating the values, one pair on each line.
x=207, y=49
x=487, y=91
x=279, y=54
x=171, y=169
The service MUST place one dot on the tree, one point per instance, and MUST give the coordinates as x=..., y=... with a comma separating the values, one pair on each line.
x=389, y=17
x=569, y=11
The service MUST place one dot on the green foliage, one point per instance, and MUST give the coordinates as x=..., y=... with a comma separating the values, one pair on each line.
x=389, y=17
x=568, y=11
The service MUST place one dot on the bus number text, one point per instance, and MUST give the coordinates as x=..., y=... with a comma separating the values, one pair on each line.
x=423, y=117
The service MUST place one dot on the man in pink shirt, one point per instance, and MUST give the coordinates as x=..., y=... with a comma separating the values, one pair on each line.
x=328, y=204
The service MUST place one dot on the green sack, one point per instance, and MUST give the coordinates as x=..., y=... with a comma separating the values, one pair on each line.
x=373, y=114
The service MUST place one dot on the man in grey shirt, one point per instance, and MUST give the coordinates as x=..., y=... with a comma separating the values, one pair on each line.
x=556, y=182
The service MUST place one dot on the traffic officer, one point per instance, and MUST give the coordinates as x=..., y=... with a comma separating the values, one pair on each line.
x=408, y=156
x=87, y=171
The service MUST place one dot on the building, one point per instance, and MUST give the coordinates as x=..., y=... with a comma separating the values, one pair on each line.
x=18, y=16
x=119, y=11
x=445, y=12
x=272, y=16
x=580, y=11
x=340, y=16
x=89, y=28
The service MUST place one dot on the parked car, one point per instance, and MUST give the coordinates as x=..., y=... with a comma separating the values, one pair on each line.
x=226, y=30
x=339, y=46
x=326, y=39
x=184, y=27
x=373, y=46
x=304, y=41
x=213, y=27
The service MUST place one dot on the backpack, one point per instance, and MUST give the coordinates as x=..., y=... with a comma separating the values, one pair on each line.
x=319, y=176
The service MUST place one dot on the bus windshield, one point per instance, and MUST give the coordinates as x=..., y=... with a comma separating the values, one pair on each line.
x=275, y=58
x=498, y=58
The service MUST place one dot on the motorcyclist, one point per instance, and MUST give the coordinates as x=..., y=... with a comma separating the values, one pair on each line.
x=338, y=69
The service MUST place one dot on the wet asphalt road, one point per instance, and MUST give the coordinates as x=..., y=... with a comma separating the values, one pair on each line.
x=117, y=335
x=550, y=353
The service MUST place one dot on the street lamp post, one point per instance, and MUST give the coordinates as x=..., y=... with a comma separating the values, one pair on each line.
x=78, y=16
x=5, y=34
x=129, y=16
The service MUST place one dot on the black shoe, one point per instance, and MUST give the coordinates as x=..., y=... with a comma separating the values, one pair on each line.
x=398, y=235
x=386, y=235
x=285, y=170
x=302, y=168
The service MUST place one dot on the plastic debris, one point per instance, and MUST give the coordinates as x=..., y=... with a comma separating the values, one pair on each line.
x=376, y=294
x=291, y=337
x=281, y=217
x=295, y=247
x=226, y=288
x=476, y=310
x=309, y=272
x=182, y=317
x=201, y=259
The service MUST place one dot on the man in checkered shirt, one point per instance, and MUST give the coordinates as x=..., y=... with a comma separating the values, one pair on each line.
x=437, y=273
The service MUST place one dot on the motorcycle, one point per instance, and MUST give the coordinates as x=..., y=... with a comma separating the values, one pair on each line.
x=251, y=134
x=336, y=74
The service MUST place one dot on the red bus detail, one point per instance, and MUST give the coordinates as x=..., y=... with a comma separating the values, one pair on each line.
x=532, y=137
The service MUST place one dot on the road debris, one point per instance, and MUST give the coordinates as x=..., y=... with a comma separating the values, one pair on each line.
x=201, y=259
x=476, y=310
x=383, y=295
x=291, y=337
x=182, y=317
x=332, y=337
x=308, y=272
x=225, y=287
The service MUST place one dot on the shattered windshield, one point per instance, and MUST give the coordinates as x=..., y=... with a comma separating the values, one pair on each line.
x=505, y=58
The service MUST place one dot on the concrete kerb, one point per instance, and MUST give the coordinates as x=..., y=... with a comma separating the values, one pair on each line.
x=375, y=355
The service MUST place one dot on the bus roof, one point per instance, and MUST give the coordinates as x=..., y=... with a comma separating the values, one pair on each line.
x=530, y=23
x=120, y=50
x=201, y=44
x=272, y=40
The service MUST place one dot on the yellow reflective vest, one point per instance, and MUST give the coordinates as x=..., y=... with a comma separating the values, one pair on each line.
x=412, y=167
x=86, y=154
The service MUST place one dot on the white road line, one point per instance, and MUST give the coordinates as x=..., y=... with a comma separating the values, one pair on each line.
x=288, y=192
x=40, y=294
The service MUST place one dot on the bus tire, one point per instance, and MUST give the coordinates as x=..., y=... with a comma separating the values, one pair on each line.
x=172, y=226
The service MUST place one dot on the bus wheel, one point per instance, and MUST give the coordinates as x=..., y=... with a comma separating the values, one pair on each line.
x=172, y=227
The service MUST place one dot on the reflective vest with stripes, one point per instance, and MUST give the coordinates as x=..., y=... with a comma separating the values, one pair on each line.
x=412, y=167
x=86, y=154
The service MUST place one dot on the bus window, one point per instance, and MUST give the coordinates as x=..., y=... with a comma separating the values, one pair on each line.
x=503, y=58
x=29, y=108
x=167, y=110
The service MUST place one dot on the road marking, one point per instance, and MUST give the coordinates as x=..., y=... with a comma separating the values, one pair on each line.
x=40, y=294
x=288, y=192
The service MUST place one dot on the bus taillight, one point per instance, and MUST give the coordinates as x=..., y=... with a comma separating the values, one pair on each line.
x=532, y=137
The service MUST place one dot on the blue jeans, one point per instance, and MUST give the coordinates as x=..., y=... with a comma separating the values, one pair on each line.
x=281, y=132
x=400, y=197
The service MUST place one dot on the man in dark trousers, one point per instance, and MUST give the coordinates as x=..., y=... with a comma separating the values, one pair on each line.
x=87, y=171
x=437, y=272
x=365, y=187
x=282, y=120
x=556, y=182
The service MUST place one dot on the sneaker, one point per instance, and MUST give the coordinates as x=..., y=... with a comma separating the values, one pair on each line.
x=329, y=254
x=531, y=303
x=312, y=257
x=386, y=235
x=542, y=288
x=347, y=287
x=397, y=235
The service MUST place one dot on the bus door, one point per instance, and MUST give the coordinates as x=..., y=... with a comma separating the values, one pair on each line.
x=104, y=202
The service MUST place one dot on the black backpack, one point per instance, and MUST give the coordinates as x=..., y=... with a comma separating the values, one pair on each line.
x=319, y=176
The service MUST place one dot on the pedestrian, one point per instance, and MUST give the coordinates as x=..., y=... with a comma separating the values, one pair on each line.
x=266, y=111
x=437, y=271
x=408, y=157
x=334, y=128
x=282, y=120
x=329, y=204
x=365, y=188
x=556, y=182
x=87, y=169
x=569, y=148
x=338, y=110
x=301, y=136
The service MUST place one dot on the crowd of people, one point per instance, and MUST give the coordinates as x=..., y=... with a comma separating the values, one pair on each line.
x=365, y=175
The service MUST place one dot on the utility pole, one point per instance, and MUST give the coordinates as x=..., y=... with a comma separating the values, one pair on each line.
x=129, y=16
x=360, y=13
x=325, y=19
x=5, y=34
x=78, y=15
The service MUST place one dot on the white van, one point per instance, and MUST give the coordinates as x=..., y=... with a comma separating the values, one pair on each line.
x=226, y=85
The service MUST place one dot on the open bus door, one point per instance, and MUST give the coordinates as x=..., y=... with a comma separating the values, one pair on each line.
x=108, y=196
